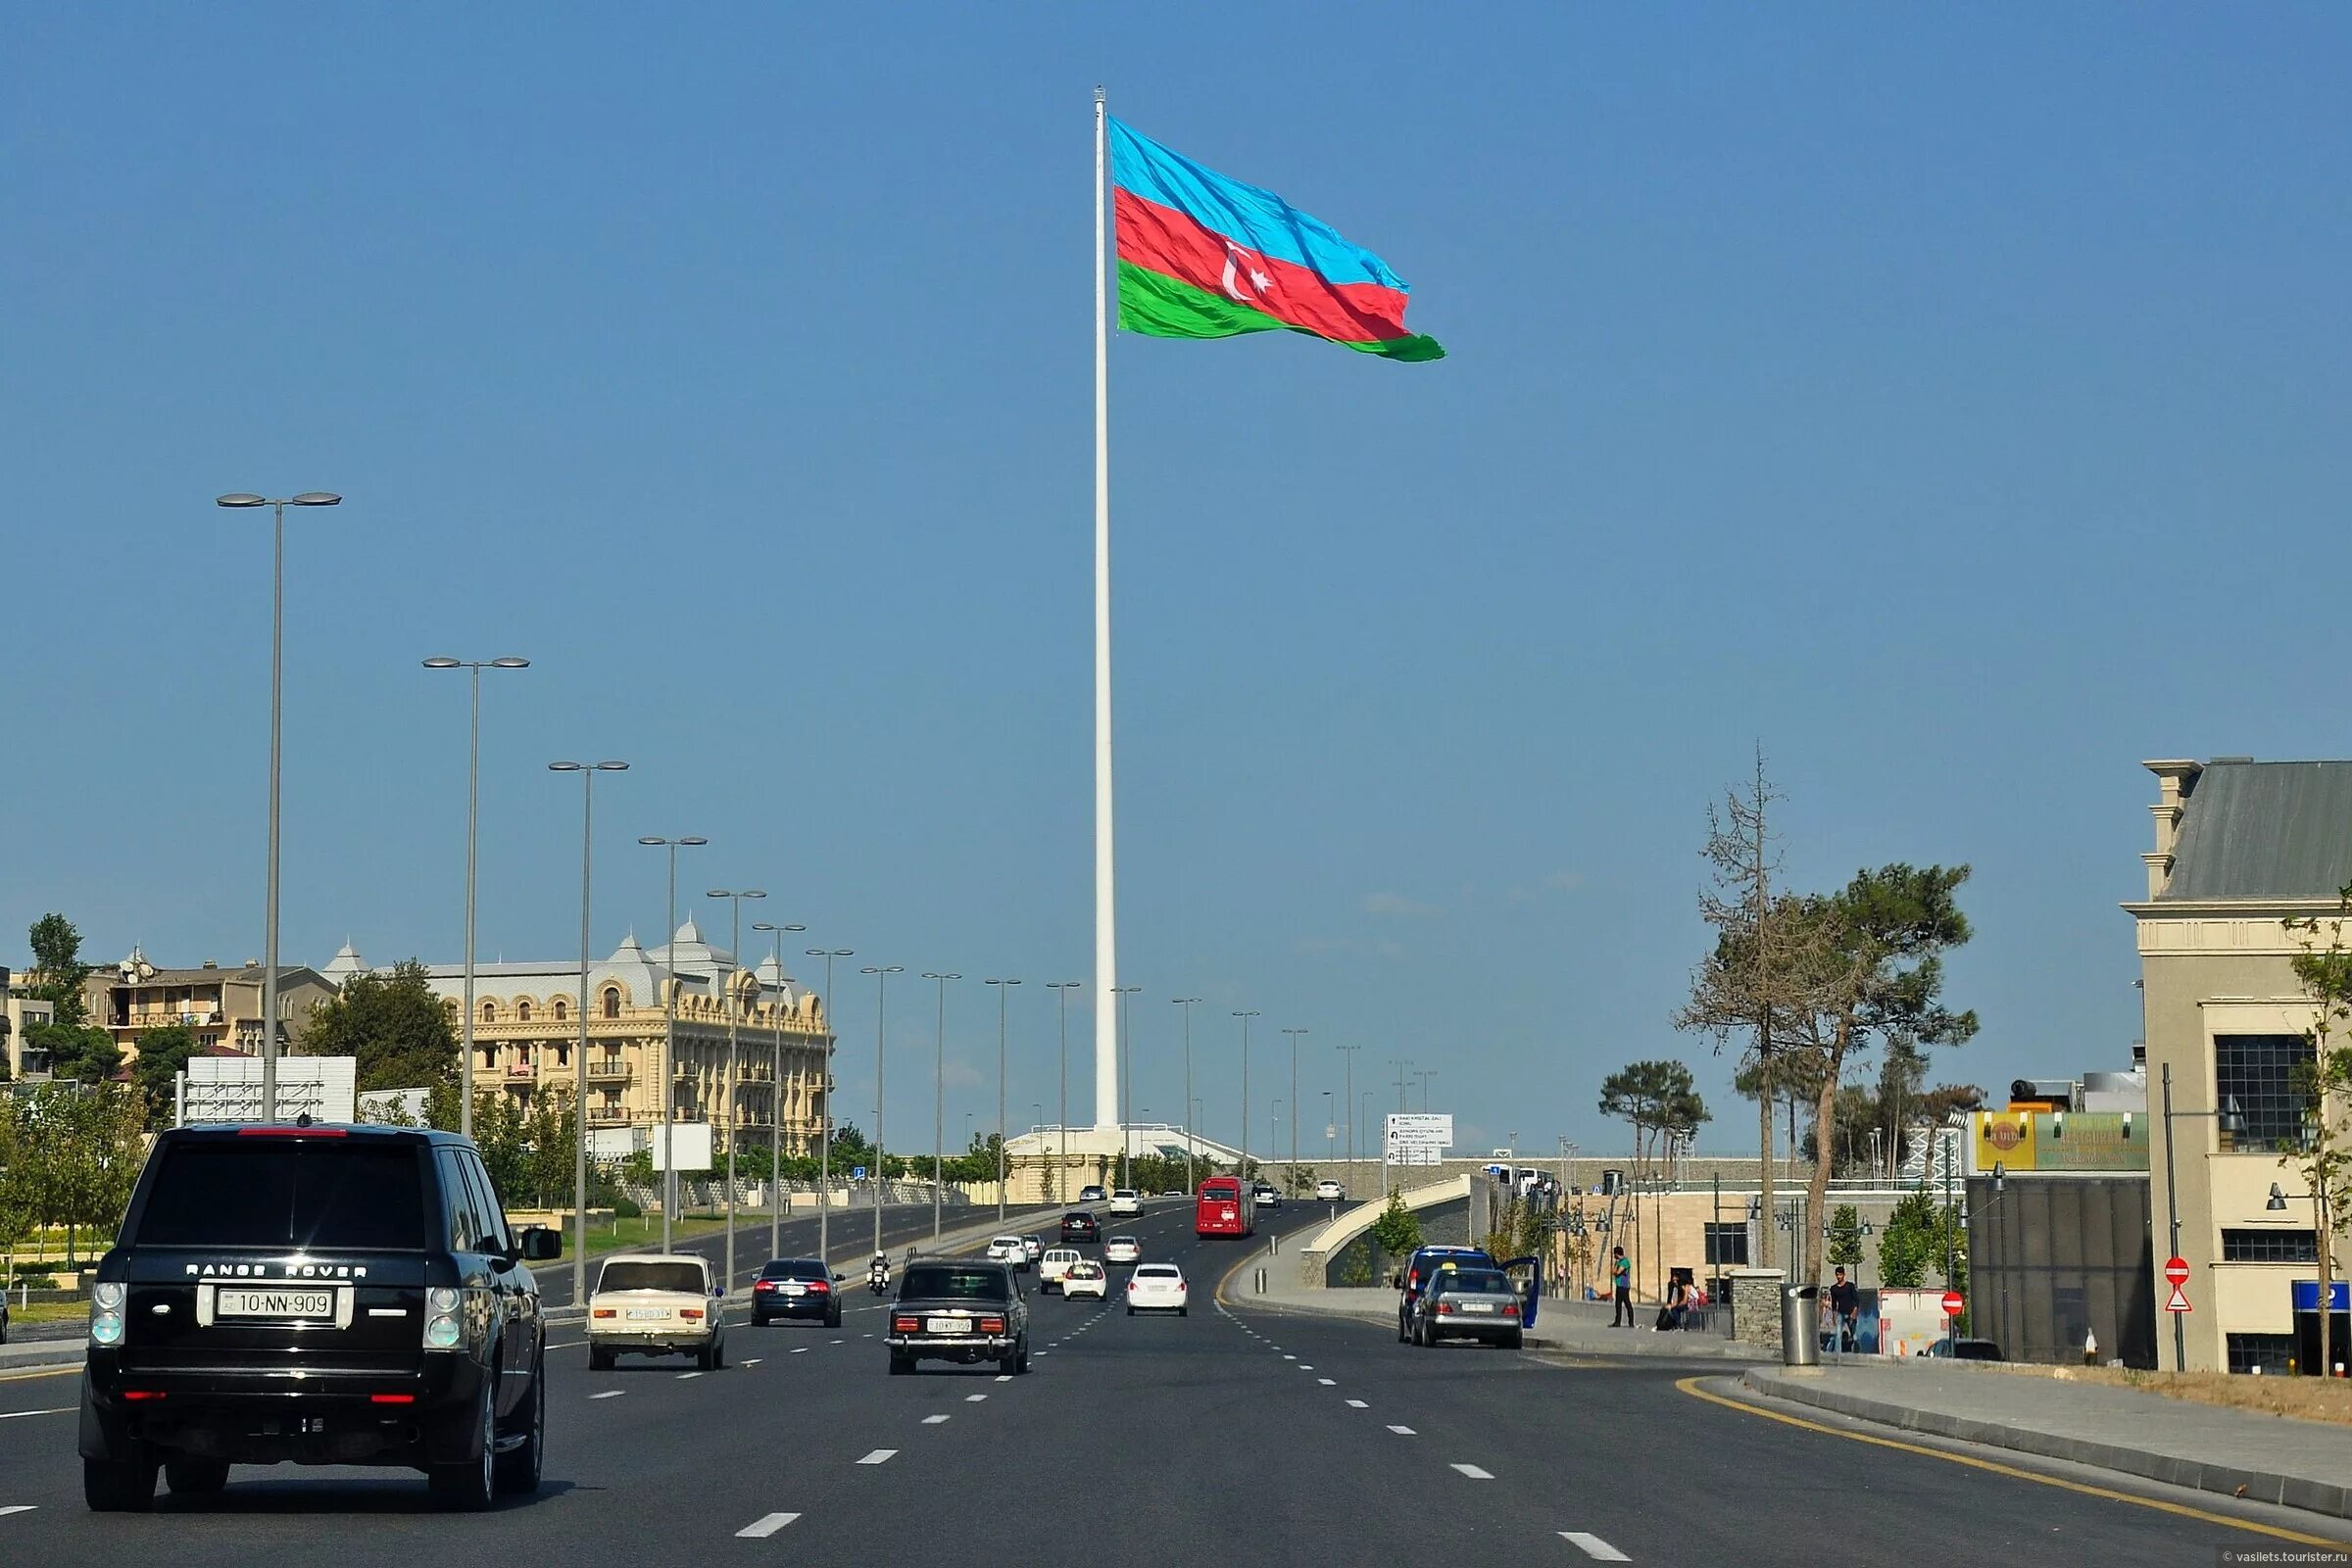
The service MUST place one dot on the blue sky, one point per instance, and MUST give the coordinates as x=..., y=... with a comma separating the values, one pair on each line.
x=1954, y=402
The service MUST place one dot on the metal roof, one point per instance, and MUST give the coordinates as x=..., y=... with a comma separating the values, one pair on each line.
x=2264, y=831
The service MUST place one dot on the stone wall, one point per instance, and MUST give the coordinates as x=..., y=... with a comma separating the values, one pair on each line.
x=1756, y=1307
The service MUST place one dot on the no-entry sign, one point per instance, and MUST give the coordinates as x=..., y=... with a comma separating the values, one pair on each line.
x=2175, y=1271
x=1952, y=1304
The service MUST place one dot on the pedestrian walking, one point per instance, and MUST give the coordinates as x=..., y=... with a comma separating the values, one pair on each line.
x=1621, y=1288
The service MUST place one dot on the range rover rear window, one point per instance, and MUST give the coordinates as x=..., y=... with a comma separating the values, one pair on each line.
x=269, y=1191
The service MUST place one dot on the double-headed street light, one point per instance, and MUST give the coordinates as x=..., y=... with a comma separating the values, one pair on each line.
x=1003, y=986
x=1350, y=1052
x=824, y=1120
x=881, y=974
x=1186, y=1002
x=938, y=1097
x=579, y=1066
x=277, y=665
x=734, y=1127
x=1243, y=1168
x=669, y=1039
x=1293, y=1178
x=473, y=771
x=775, y=1099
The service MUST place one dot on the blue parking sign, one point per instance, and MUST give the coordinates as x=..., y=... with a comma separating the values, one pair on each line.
x=858, y=1174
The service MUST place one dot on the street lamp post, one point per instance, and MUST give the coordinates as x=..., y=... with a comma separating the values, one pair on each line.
x=1062, y=989
x=1329, y=1132
x=1292, y=1180
x=669, y=1039
x=2230, y=1121
x=277, y=665
x=732, y=1004
x=1003, y=986
x=824, y=1119
x=1243, y=1169
x=1186, y=1002
x=775, y=1095
x=938, y=1097
x=579, y=1066
x=473, y=772
x=881, y=974
x=1349, y=1051
x=1425, y=1074
x=1126, y=1092
x=1383, y=1143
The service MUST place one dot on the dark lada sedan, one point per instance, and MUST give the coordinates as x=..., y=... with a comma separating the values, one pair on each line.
x=959, y=1309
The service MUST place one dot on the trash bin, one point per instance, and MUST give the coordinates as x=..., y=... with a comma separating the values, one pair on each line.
x=1800, y=1325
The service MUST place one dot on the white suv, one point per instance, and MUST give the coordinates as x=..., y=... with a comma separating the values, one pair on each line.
x=1126, y=1200
x=1008, y=1250
x=1054, y=1264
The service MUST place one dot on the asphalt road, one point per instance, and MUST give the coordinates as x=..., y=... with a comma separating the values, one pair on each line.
x=1229, y=1437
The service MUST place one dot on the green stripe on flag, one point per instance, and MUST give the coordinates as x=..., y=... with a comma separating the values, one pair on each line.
x=1159, y=306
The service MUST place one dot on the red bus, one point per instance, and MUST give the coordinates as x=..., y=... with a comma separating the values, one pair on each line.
x=1224, y=1208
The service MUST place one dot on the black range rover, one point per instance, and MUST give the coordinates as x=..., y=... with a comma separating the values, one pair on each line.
x=315, y=1294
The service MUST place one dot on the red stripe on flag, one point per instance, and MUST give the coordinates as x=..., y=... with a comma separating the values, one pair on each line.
x=1175, y=243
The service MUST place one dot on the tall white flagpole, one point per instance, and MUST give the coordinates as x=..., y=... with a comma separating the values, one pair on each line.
x=1107, y=942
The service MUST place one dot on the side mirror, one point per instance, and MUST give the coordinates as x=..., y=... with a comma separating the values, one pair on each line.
x=541, y=1245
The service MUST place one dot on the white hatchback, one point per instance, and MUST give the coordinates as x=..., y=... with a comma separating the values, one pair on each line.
x=1328, y=1191
x=1127, y=1249
x=1127, y=1201
x=1159, y=1288
x=1008, y=1250
x=1086, y=1278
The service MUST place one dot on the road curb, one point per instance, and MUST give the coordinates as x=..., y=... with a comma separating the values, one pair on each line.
x=2331, y=1499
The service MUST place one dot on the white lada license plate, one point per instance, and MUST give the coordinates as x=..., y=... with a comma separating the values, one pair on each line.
x=648, y=1314
x=232, y=1303
x=946, y=1325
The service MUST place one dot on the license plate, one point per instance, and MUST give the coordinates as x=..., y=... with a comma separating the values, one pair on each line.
x=274, y=1304
x=795, y=1289
x=946, y=1325
x=1478, y=1306
x=647, y=1314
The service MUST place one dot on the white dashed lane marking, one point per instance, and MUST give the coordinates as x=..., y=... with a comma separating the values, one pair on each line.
x=1357, y=1404
x=1329, y=1384
x=609, y=1393
x=683, y=1376
x=1006, y=1376
x=69, y=1409
x=27, y=1507
x=767, y=1525
x=1402, y=1432
x=879, y=1456
x=975, y=1399
x=1591, y=1546
x=755, y=1360
x=1474, y=1472
x=935, y=1420
x=799, y=1350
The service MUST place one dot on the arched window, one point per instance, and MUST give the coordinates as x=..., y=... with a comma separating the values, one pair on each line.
x=489, y=1012
x=522, y=1012
x=561, y=1012
x=612, y=1001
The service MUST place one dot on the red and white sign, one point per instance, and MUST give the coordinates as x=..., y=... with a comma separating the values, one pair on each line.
x=2176, y=1274
x=1953, y=1305
x=2178, y=1302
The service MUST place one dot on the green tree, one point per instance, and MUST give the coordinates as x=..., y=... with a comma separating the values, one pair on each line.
x=1846, y=1236
x=1657, y=1097
x=2324, y=968
x=164, y=1055
x=1519, y=1229
x=1913, y=1239
x=81, y=1052
x=58, y=970
x=17, y=1207
x=395, y=1028
x=1397, y=1231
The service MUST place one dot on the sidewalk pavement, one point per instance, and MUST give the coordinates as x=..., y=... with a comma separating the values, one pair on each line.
x=1562, y=1326
x=2243, y=1454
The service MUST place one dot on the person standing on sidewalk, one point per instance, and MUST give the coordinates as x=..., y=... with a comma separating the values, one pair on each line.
x=1845, y=1302
x=1621, y=1288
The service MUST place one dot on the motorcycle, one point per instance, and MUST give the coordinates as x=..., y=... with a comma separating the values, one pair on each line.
x=877, y=1282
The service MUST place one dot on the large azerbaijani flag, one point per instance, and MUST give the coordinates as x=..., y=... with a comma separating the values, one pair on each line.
x=1204, y=255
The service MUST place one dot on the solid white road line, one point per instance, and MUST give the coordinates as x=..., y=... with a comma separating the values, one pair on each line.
x=609, y=1393
x=1594, y=1546
x=937, y=1420
x=1402, y=1432
x=1358, y=1405
x=27, y=1507
x=767, y=1525
x=66, y=1409
x=1474, y=1472
x=879, y=1456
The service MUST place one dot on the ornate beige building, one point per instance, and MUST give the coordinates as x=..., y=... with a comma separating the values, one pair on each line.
x=526, y=1028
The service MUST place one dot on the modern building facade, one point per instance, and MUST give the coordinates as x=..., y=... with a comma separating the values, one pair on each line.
x=2240, y=848
x=526, y=1029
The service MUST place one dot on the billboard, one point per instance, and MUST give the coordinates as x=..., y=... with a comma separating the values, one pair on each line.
x=2044, y=1140
x=1418, y=1137
x=694, y=1145
x=230, y=1088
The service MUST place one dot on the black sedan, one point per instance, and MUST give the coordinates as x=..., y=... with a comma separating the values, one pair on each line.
x=796, y=1287
x=1080, y=1226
